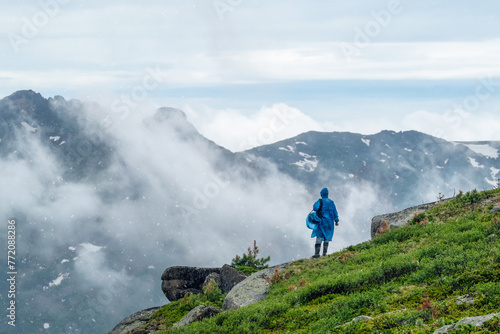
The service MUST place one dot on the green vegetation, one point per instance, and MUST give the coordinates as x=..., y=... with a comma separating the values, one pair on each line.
x=249, y=263
x=407, y=280
x=171, y=313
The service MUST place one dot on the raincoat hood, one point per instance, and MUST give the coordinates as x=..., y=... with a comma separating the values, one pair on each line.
x=324, y=193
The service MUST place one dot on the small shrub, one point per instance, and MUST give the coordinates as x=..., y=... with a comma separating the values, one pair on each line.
x=470, y=197
x=418, y=218
x=213, y=293
x=278, y=277
x=428, y=308
x=383, y=228
x=249, y=263
x=302, y=283
x=346, y=256
x=190, y=301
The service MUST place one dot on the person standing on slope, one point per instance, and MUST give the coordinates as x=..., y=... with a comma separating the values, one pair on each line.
x=329, y=215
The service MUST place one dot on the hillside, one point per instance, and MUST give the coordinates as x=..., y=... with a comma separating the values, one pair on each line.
x=440, y=268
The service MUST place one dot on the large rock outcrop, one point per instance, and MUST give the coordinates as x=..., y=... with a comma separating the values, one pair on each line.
x=252, y=289
x=473, y=321
x=134, y=321
x=178, y=281
x=401, y=218
x=197, y=314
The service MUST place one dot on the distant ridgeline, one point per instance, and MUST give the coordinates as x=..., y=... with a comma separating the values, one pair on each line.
x=406, y=167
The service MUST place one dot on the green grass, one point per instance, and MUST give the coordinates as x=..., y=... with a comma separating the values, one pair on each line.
x=407, y=280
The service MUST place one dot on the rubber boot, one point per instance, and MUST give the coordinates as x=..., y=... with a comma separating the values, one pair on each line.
x=317, y=247
x=325, y=248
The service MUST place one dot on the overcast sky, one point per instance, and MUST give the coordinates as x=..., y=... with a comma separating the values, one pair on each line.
x=235, y=66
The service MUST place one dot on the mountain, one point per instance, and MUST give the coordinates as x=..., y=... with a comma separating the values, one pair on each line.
x=394, y=162
x=57, y=124
x=104, y=202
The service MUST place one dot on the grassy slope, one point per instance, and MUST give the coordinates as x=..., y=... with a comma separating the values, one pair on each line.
x=406, y=279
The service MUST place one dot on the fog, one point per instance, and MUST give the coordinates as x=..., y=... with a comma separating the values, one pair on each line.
x=94, y=249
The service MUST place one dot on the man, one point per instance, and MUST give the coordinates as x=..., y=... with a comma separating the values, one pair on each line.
x=329, y=215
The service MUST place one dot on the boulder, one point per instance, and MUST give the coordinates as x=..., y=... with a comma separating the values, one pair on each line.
x=138, y=319
x=401, y=218
x=251, y=289
x=179, y=280
x=197, y=314
x=466, y=299
x=213, y=276
x=229, y=278
x=361, y=318
x=474, y=321
x=495, y=208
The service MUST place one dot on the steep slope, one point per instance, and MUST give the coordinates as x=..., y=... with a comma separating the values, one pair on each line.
x=442, y=267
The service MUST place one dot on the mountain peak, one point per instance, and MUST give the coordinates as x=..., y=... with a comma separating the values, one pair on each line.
x=169, y=113
x=28, y=93
x=177, y=120
x=28, y=101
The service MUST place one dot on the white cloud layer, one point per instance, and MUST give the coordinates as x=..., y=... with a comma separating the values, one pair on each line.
x=79, y=49
x=237, y=130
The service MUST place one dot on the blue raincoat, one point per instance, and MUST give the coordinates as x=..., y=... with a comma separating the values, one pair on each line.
x=330, y=217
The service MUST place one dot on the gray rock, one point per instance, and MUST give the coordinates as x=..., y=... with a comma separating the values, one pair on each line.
x=251, y=289
x=474, y=321
x=229, y=277
x=213, y=276
x=134, y=321
x=496, y=208
x=197, y=314
x=466, y=299
x=362, y=318
x=401, y=218
x=177, y=281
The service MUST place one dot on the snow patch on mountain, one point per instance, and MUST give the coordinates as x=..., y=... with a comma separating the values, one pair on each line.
x=91, y=248
x=474, y=163
x=484, y=149
x=28, y=127
x=309, y=163
x=57, y=281
x=494, y=176
x=366, y=141
x=288, y=148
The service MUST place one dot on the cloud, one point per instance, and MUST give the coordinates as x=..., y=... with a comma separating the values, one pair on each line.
x=458, y=124
x=238, y=130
